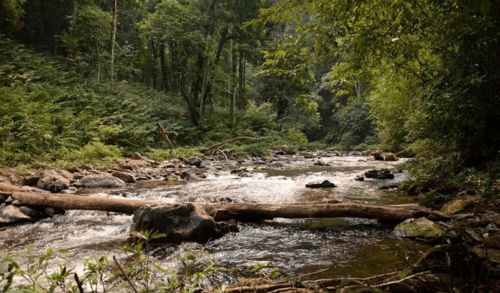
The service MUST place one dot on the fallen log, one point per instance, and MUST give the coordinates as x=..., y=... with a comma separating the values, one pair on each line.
x=241, y=212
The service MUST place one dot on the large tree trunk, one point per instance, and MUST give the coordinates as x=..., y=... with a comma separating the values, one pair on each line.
x=113, y=40
x=164, y=67
x=241, y=212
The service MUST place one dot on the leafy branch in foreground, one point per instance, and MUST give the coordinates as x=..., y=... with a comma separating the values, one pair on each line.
x=135, y=272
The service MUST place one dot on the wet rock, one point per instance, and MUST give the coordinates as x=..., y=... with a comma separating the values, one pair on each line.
x=390, y=157
x=419, y=228
x=457, y=205
x=389, y=186
x=13, y=214
x=50, y=212
x=379, y=156
x=360, y=178
x=32, y=212
x=182, y=222
x=186, y=175
x=322, y=163
x=241, y=172
x=204, y=164
x=101, y=181
x=30, y=180
x=192, y=161
x=126, y=177
x=324, y=184
x=52, y=181
x=379, y=174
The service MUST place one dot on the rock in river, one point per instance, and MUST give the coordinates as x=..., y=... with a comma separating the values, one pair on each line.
x=419, y=228
x=182, y=222
x=324, y=184
x=101, y=181
x=126, y=177
x=12, y=214
x=379, y=174
x=52, y=181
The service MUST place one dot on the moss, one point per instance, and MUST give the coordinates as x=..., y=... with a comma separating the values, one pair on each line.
x=418, y=228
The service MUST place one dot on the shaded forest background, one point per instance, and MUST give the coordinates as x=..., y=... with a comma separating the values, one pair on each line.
x=87, y=80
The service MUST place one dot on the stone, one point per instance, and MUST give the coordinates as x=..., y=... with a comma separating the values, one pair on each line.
x=101, y=181
x=30, y=180
x=185, y=175
x=379, y=174
x=360, y=178
x=32, y=212
x=322, y=163
x=126, y=177
x=419, y=228
x=378, y=156
x=52, y=181
x=13, y=214
x=70, y=190
x=181, y=222
x=192, y=161
x=458, y=204
x=390, y=157
x=50, y=212
x=324, y=184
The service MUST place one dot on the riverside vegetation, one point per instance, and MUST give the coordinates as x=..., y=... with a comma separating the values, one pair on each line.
x=88, y=82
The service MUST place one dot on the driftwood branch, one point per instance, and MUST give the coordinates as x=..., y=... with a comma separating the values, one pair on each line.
x=226, y=211
x=164, y=135
x=125, y=275
x=335, y=284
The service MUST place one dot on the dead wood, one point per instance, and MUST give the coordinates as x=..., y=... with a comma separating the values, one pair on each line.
x=226, y=211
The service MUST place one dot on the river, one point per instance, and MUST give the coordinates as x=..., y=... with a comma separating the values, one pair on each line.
x=335, y=247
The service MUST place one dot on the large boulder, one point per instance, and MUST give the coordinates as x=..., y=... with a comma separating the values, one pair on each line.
x=101, y=181
x=378, y=155
x=419, y=228
x=379, y=174
x=458, y=204
x=52, y=181
x=324, y=184
x=126, y=177
x=390, y=157
x=13, y=214
x=181, y=222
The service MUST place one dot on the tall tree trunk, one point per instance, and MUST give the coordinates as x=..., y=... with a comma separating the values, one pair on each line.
x=220, y=46
x=241, y=75
x=234, y=84
x=113, y=40
x=98, y=63
x=153, y=62
x=163, y=67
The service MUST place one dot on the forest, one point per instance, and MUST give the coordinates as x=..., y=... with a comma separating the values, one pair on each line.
x=359, y=121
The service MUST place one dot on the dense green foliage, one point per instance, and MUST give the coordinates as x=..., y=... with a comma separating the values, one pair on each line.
x=429, y=71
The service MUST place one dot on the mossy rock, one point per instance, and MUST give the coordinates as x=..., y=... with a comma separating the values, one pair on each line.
x=419, y=228
x=458, y=204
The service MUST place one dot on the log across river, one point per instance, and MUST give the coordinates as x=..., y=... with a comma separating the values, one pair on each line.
x=242, y=211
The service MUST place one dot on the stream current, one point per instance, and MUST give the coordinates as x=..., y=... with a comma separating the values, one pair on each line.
x=336, y=247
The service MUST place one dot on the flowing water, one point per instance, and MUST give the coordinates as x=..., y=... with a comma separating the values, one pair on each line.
x=336, y=247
